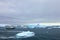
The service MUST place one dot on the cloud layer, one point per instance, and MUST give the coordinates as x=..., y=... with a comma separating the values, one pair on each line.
x=29, y=11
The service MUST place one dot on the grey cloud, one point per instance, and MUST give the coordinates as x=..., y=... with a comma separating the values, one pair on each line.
x=29, y=11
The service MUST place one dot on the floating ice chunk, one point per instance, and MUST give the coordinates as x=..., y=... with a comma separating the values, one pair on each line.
x=25, y=34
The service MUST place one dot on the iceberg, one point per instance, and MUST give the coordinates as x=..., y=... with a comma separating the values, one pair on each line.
x=25, y=34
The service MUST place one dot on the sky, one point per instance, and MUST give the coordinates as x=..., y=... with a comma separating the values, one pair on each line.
x=29, y=11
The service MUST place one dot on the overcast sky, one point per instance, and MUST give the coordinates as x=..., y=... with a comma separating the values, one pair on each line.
x=29, y=11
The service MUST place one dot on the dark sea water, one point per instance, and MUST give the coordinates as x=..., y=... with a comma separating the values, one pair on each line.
x=40, y=33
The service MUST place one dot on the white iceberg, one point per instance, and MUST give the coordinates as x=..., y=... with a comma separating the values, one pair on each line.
x=25, y=34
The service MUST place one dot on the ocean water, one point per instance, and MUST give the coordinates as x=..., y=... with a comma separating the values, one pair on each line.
x=40, y=34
